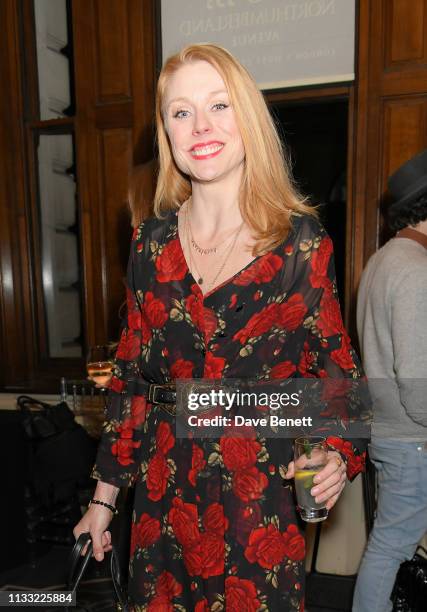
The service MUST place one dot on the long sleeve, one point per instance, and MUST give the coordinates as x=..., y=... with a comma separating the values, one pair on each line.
x=328, y=353
x=117, y=459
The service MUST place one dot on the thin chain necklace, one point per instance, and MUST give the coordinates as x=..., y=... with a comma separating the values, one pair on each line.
x=200, y=249
x=200, y=279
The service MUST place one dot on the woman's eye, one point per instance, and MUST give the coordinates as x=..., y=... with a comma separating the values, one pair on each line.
x=180, y=114
x=220, y=106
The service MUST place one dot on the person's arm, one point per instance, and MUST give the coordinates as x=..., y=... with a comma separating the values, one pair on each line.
x=97, y=519
x=118, y=452
x=327, y=353
x=409, y=336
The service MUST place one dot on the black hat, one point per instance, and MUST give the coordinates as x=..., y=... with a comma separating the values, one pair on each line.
x=409, y=181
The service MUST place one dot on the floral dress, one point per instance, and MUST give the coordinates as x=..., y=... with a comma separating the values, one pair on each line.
x=214, y=525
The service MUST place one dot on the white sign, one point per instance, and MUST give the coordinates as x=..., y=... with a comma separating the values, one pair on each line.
x=283, y=43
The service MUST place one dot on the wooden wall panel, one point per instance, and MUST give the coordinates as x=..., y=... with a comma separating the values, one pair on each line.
x=115, y=151
x=406, y=30
x=404, y=125
x=114, y=44
x=389, y=114
x=17, y=339
x=112, y=50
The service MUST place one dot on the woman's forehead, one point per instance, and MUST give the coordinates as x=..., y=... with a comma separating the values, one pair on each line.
x=192, y=77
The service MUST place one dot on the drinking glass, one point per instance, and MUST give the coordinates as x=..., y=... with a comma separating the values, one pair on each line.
x=311, y=455
x=100, y=365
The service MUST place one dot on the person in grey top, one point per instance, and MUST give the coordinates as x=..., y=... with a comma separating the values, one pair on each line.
x=392, y=328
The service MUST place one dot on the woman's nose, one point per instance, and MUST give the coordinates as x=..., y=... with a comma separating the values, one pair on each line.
x=202, y=124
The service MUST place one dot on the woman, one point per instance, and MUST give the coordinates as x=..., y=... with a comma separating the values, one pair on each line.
x=232, y=278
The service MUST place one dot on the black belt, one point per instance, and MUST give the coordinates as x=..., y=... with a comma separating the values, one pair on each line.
x=155, y=393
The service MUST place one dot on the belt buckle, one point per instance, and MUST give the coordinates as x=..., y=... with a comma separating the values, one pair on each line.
x=154, y=387
x=152, y=392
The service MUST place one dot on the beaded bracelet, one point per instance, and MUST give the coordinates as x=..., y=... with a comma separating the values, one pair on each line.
x=101, y=503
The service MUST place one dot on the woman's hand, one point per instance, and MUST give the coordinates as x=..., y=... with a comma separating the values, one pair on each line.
x=329, y=482
x=95, y=521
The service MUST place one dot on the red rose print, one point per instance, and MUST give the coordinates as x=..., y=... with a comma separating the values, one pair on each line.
x=294, y=543
x=249, y=484
x=183, y=518
x=170, y=264
x=182, y=368
x=123, y=447
x=129, y=345
x=138, y=410
x=194, y=305
x=233, y=301
x=134, y=319
x=289, y=249
x=282, y=370
x=342, y=356
x=213, y=366
x=146, y=532
x=214, y=519
x=117, y=385
x=202, y=606
x=330, y=321
x=306, y=362
x=198, y=462
x=212, y=547
x=210, y=323
x=192, y=556
x=266, y=547
x=241, y=595
x=258, y=324
x=158, y=473
x=206, y=556
x=239, y=453
x=160, y=603
x=167, y=585
x=249, y=517
x=155, y=311
x=355, y=465
x=261, y=271
x=292, y=312
x=165, y=439
x=320, y=257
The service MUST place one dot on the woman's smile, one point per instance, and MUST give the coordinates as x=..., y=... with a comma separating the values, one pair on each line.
x=206, y=150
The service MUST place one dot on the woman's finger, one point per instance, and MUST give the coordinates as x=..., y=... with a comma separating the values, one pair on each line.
x=330, y=492
x=290, y=470
x=333, y=500
x=336, y=477
x=334, y=464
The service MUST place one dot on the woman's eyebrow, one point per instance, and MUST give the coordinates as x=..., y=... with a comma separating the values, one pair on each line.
x=210, y=95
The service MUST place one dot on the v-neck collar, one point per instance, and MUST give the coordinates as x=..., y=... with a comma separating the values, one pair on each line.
x=190, y=275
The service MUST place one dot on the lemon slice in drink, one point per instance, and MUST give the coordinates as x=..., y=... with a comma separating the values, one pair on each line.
x=307, y=476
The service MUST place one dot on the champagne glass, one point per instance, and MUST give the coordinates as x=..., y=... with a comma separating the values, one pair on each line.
x=311, y=456
x=100, y=365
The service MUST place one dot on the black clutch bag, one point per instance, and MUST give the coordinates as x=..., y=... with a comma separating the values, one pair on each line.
x=410, y=589
x=77, y=567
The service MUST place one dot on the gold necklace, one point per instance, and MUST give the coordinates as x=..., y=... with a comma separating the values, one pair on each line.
x=200, y=249
x=200, y=279
x=196, y=246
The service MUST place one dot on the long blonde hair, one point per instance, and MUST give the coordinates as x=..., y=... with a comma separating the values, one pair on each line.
x=268, y=195
x=141, y=191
